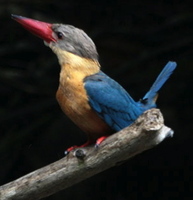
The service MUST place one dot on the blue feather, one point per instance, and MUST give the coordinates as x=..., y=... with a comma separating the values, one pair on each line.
x=114, y=105
x=150, y=96
x=111, y=102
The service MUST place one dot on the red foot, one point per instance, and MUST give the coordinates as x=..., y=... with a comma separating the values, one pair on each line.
x=100, y=140
x=75, y=147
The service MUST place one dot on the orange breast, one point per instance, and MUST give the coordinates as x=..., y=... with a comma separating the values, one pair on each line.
x=72, y=96
x=73, y=100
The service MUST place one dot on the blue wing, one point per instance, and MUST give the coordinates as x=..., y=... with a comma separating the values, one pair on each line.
x=114, y=105
x=111, y=102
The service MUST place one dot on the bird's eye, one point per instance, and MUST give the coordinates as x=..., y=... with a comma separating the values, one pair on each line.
x=59, y=35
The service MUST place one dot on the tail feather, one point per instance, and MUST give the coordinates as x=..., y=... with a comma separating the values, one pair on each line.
x=151, y=96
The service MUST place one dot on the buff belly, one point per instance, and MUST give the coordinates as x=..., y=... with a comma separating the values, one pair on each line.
x=75, y=105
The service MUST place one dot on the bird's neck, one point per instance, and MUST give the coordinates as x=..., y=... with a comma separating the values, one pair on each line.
x=76, y=68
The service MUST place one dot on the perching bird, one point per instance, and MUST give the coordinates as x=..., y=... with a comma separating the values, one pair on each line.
x=93, y=101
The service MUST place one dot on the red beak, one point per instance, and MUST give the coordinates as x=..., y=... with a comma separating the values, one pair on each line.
x=38, y=28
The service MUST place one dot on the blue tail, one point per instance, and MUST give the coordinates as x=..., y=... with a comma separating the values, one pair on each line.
x=150, y=97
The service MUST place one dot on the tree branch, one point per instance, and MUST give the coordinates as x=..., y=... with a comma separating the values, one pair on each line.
x=147, y=131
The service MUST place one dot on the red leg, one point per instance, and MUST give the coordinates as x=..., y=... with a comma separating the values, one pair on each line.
x=100, y=140
x=74, y=147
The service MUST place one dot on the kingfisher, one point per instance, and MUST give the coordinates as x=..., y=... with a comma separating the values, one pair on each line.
x=96, y=103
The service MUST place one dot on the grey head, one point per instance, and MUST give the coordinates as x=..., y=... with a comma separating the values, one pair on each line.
x=74, y=40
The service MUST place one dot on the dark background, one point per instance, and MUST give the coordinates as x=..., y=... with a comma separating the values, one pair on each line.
x=134, y=39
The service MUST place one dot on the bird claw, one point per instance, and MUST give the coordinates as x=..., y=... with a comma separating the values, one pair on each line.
x=97, y=144
x=66, y=153
x=99, y=141
x=69, y=150
x=75, y=147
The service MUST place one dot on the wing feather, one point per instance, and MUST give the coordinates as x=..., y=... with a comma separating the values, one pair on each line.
x=111, y=102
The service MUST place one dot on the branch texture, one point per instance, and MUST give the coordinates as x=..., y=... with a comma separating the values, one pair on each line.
x=147, y=131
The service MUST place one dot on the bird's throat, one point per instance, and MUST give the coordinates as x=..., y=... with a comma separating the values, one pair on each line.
x=75, y=68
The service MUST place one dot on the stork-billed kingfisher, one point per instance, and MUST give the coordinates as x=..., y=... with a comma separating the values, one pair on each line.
x=92, y=100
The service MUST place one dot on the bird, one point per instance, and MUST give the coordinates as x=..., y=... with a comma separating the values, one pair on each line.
x=96, y=103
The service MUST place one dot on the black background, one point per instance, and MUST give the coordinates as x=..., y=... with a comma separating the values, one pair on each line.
x=135, y=39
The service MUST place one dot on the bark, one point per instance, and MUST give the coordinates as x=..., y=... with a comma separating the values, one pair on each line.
x=147, y=131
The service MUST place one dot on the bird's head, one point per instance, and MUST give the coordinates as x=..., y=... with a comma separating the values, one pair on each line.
x=61, y=38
